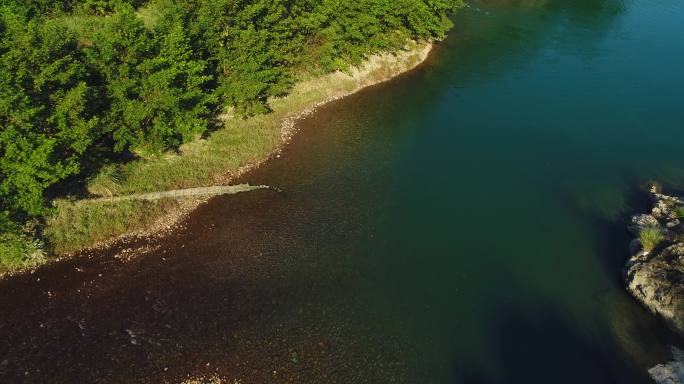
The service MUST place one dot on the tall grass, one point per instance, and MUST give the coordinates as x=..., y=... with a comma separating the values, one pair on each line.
x=679, y=212
x=79, y=224
x=650, y=237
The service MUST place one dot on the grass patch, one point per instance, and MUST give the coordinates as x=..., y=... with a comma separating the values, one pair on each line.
x=76, y=225
x=85, y=26
x=650, y=237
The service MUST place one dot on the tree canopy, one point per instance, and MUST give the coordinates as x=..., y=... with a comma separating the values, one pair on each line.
x=85, y=79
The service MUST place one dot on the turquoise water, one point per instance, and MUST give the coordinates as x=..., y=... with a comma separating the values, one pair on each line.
x=489, y=190
x=463, y=223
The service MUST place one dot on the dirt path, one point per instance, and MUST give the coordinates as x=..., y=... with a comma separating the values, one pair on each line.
x=181, y=193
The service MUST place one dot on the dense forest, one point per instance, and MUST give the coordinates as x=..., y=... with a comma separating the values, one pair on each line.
x=83, y=81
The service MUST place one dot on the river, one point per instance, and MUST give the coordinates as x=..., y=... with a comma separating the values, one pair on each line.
x=462, y=223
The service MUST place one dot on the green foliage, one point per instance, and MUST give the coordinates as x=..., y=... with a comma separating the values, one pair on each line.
x=17, y=249
x=679, y=212
x=157, y=90
x=103, y=7
x=46, y=118
x=650, y=237
x=57, y=7
x=88, y=82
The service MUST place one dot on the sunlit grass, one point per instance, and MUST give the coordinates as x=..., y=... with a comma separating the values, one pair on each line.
x=148, y=14
x=650, y=237
x=80, y=224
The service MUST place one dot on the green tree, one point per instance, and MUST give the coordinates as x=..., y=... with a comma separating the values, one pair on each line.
x=88, y=78
x=156, y=87
x=249, y=47
x=173, y=91
x=46, y=122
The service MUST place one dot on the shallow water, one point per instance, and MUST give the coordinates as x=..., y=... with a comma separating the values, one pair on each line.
x=463, y=223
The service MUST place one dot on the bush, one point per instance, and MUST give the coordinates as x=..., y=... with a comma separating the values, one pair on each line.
x=18, y=251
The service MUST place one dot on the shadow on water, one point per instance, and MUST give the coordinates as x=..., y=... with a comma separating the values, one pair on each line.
x=541, y=345
x=643, y=336
x=608, y=216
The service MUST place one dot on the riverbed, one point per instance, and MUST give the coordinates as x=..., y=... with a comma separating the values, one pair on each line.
x=462, y=223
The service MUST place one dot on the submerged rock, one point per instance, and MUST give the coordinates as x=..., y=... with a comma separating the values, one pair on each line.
x=671, y=372
x=655, y=272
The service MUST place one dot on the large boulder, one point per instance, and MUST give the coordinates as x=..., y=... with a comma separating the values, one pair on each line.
x=656, y=278
x=671, y=372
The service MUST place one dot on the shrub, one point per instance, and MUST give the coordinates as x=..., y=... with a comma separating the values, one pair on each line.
x=18, y=251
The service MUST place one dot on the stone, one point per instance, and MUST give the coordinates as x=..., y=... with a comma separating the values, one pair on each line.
x=671, y=372
x=640, y=222
x=657, y=279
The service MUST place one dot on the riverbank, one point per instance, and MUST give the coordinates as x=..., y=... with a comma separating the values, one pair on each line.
x=227, y=154
x=654, y=274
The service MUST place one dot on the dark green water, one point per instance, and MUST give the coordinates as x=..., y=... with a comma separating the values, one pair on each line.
x=485, y=194
x=463, y=223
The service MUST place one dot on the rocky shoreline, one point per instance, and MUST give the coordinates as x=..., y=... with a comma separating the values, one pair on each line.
x=654, y=274
x=671, y=372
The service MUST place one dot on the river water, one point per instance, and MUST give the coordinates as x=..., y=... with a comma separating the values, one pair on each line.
x=463, y=223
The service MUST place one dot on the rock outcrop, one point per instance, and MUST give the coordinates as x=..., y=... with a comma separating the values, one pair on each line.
x=672, y=372
x=655, y=272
